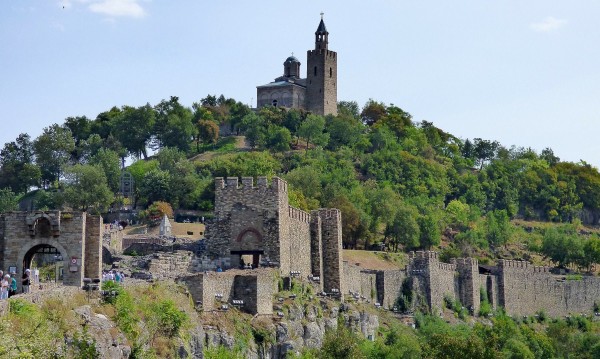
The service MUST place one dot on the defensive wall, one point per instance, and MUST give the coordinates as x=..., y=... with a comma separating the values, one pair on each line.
x=376, y=286
x=254, y=219
x=524, y=289
x=255, y=287
x=517, y=286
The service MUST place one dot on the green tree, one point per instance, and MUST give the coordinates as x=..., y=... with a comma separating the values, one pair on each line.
x=340, y=344
x=53, y=150
x=133, y=127
x=278, y=138
x=349, y=109
x=86, y=189
x=562, y=245
x=110, y=163
x=372, y=112
x=174, y=127
x=254, y=128
x=312, y=131
x=484, y=150
x=8, y=200
x=17, y=171
x=430, y=231
x=155, y=186
x=404, y=229
x=498, y=228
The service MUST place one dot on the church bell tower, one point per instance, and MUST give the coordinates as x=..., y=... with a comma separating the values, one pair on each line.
x=321, y=75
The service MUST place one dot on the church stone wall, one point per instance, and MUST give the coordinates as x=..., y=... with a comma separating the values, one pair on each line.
x=321, y=88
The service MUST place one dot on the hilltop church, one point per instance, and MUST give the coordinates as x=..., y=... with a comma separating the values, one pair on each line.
x=317, y=93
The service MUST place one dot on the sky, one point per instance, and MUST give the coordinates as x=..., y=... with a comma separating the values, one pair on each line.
x=524, y=73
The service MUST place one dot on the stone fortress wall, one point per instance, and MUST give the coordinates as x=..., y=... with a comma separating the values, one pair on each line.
x=254, y=220
x=517, y=286
x=255, y=288
x=76, y=236
x=524, y=289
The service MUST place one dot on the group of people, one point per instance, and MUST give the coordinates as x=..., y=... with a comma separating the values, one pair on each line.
x=8, y=284
x=113, y=275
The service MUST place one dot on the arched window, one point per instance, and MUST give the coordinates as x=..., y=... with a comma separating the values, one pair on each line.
x=274, y=103
x=315, y=71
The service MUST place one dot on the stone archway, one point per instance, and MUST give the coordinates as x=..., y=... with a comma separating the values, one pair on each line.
x=27, y=253
x=74, y=236
x=47, y=258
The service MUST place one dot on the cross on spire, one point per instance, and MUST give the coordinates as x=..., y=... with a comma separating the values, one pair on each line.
x=322, y=13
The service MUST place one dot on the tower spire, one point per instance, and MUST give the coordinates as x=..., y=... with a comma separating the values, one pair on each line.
x=321, y=35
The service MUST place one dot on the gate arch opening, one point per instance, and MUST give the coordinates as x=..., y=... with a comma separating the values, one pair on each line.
x=46, y=263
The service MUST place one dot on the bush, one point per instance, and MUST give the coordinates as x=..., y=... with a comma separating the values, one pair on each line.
x=170, y=318
x=111, y=287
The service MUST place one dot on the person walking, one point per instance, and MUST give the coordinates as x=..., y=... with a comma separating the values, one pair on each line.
x=26, y=280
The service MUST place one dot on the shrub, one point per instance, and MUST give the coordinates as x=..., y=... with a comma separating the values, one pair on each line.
x=170, y=318
x=113, y=290
x=85, y=346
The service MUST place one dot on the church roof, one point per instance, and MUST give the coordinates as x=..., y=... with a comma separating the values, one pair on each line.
x=321, y=30
x=283, y=84
x=292, y=59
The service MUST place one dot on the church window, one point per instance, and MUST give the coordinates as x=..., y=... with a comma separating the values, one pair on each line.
x=274, y=103
x=315, y=71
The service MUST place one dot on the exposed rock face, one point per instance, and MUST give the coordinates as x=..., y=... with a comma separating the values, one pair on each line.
x=109, y=345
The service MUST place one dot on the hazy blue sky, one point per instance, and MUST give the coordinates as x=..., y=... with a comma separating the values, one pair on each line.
x=525, y=73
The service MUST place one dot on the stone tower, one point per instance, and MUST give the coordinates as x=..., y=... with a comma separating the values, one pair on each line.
x=321, y=75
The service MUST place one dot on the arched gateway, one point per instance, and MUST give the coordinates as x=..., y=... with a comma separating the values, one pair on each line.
x=73, y=238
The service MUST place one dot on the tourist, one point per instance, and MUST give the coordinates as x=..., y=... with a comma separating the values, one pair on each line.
x=26, y=281
x=117, y=277
x=4, y=284
x=12, y=289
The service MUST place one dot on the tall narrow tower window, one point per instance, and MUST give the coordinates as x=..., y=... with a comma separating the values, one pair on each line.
x=330, y=72
x=315, y=71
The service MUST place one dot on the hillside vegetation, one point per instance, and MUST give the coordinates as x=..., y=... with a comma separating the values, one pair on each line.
x=400, y=184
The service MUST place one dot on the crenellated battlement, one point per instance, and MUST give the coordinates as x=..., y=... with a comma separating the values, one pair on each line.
x=299, y=214
x=521, y=266
x=508, y=263
x=423, y=255
x=248, y=183
x=327, y=213
x=447, y=266
x=465, y=262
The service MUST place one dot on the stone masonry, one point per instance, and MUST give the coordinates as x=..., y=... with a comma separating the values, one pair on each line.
x=77, y=236
x=317, y=93
x=254, y=223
